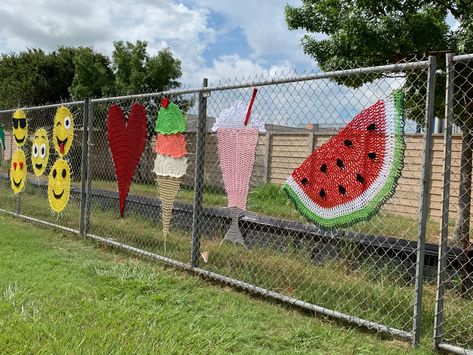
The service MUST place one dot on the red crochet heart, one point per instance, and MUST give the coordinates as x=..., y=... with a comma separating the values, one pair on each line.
x=127, y=143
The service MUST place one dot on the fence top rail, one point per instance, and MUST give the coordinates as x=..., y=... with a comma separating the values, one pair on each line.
x=462, y=58
x=32, y=108
x=390, y=68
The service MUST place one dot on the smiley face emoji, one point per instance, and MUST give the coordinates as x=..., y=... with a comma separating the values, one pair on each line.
x=59, y=185
x=18, y=171
x=20, y=127
x=40, y=152
x=63, y=131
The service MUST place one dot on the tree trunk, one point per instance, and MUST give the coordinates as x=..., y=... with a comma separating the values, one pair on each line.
x=462, y=225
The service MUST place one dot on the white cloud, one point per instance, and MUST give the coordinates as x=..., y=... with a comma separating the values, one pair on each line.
x=161, y=23
x=185, y=28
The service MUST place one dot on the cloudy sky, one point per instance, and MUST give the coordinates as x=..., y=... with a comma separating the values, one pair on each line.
x=218, y=39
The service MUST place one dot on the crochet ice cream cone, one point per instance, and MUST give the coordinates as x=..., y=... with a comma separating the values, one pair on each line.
x=170, y=164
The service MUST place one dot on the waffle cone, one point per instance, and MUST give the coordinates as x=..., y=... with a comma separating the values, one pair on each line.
x=168, y=188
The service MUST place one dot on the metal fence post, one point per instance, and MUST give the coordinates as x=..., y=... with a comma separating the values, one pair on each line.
x=424, y=200
x=83, y=167
x=447, y=164
x=18, y=204
x=199, y=175
x=88, y=198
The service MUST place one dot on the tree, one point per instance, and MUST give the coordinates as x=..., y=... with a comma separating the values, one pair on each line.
x=93, y=76
x=34, y=77
x=371, y=32
x=136, y=72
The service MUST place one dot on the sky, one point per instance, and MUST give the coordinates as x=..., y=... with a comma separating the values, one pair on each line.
x=221, y=40
x=218, y=39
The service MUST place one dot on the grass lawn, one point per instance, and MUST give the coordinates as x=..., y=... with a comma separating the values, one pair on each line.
x=63, y=295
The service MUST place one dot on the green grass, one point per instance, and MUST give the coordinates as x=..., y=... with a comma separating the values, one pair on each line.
x=380, y=294
x=271, y=200
x=63, y=295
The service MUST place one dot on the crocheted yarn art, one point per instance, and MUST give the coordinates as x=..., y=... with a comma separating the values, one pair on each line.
x=126, y=140
x=40, y=152
x=170, y=164
x=236, y=152
x=349, y=178
x=2, y=138
x=170, y=119
x=172, y=145
x=18, y=171
x=20, y=127
x=234, y=117
x=237, y=138
x=59, y=185
x=63, y=131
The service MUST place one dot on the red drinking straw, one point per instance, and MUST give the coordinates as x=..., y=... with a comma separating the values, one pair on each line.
x=248, y=113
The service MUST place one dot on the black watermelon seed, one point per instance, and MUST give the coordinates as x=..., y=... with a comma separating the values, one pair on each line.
x=323, y=168
x=348, y=142
x=372, y=155
x=371, y=127
x=342, y=189
x=360, y=178
x=304, y=181
x=340, y=163
x=322, y=193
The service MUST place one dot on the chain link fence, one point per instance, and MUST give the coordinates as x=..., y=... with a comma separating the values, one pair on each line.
x=32, y=201
x=454, y=301
x=374, y=273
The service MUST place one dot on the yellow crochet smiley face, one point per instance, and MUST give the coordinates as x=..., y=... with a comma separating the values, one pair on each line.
x=20, y=127
x=40, y=151
x=59, y=185
x=18, y=171
x=63, y=131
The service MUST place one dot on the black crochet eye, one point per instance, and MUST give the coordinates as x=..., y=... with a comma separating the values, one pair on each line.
x=64, y=173
x=54, y=173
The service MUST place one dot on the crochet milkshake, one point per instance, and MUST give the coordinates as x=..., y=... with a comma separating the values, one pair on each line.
x=236, y=152
x=170, y=164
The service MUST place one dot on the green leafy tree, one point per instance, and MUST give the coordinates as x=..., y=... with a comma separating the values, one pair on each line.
x=93, y=76
x=136, y=71
x=34, y=77
x=371, y=32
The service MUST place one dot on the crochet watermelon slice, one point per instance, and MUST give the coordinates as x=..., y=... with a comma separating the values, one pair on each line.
x=350, y=177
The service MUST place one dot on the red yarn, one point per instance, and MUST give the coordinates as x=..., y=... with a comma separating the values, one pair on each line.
x=127, y=143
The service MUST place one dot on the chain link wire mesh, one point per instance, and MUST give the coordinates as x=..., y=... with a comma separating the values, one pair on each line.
x=33, y=200
x=366, y=271
x=454, y=311
x=141, y=225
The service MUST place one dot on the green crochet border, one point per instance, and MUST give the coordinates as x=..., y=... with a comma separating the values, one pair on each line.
x=386, y=192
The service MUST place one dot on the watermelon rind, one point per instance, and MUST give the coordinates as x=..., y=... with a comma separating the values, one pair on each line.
x=305, y=206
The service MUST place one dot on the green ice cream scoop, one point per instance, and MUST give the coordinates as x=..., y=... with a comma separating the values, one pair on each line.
x=170, y=120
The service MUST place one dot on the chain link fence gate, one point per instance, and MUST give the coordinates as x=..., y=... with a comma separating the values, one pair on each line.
x=371, y=274
x=454, y=301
